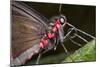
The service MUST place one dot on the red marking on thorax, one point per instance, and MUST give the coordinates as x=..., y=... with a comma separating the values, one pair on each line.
x=51, y=34
x=57, y=25
x=43, y=43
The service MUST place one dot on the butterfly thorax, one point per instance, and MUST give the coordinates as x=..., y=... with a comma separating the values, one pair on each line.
x=51, y=34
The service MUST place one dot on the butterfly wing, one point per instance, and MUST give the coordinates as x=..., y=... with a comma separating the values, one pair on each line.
x=28, y=28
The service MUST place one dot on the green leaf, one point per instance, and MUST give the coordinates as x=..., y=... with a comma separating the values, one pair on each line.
x=86, y=53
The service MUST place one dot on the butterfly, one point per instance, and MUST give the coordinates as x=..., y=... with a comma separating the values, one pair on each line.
x=32, y=33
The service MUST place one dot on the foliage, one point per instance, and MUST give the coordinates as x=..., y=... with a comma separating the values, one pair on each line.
x=86, y=53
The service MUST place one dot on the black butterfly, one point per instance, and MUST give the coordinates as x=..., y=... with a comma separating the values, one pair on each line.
x=29, y=27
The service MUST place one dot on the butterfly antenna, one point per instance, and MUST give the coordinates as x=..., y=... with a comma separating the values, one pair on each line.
x=60, y=8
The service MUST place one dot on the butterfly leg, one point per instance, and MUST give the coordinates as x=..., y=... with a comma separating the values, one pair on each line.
x=81, y=38
x=39, y=56
x=61, y=39
x=69, y=33
x=69, y=36
x=66, y=51
x=74, y=42
x=64, y=48
x=80, y=30
x=46, y=49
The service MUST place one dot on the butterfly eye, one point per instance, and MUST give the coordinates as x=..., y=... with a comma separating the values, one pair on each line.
x=62, y=19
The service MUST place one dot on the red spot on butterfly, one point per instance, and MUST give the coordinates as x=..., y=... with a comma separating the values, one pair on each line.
x=51, y=35
x=41, y=45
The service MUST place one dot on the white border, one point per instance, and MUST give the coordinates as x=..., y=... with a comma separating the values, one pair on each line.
x=5, y=33
x=82, y=2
